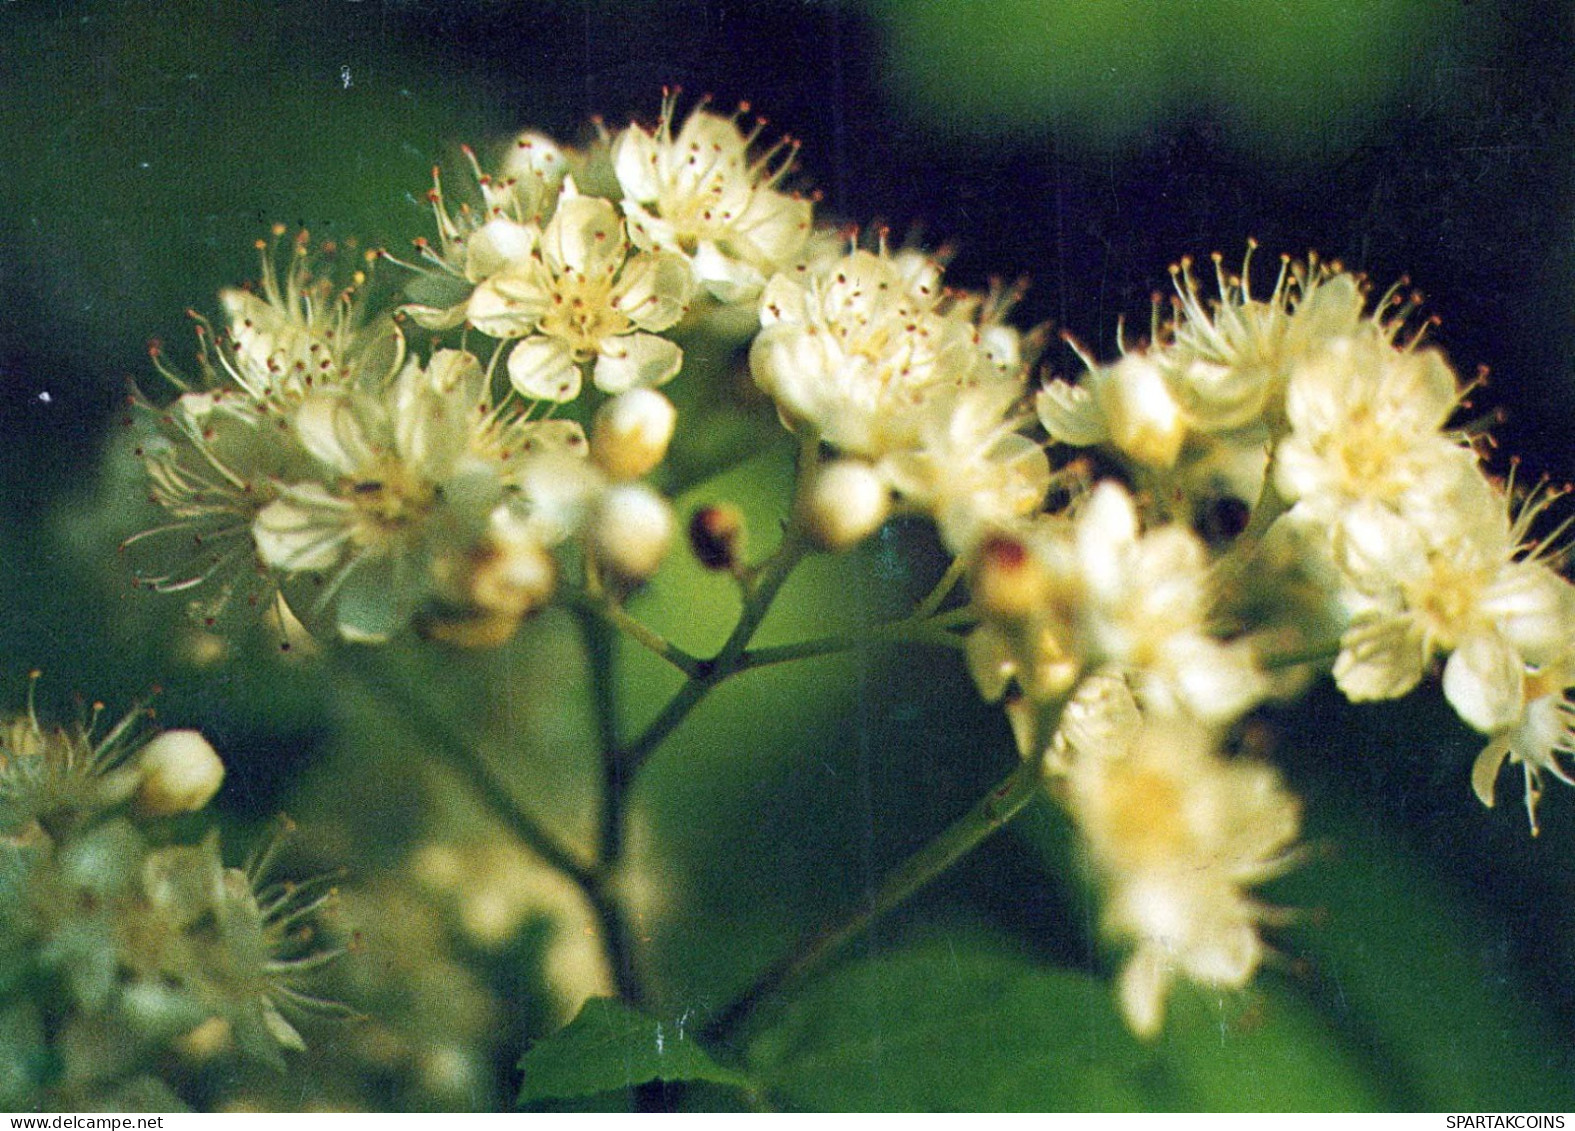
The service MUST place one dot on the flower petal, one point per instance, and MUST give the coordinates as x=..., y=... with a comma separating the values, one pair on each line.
x=544, y=369
x=304, y=530
x=585, y=237
x=338, y=429
x=654, y=290
x=635, y=360
x=1485, y=682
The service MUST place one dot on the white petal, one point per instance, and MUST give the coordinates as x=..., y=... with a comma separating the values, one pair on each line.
x=1485, y=681
x=636, y=360
x=585, y=237
x=1144, y=419
x=1228, y=959
x=1071, y=415
x=1144, y=985
x=654, y=290
x=773, y=228
x=1377, y=547
x=544, y=369
x=458, y=374
x=1106, y=535
x=990, y=662
x=783, y=300
x=503, y=307
x=378, y=598
x=1217, y=683
x=435, y=317
x=565, y=437
x=1380, y=658
x=1484, y=771
x=1534, y=608
x=495, y=245
x=305, y=530
x=334, y=427
x=647, y=231
x=724, y=278
x=634, y=160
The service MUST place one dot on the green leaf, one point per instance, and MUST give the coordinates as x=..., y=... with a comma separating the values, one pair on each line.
x=609, y=1046
x=963, y=1023
x=1264, y=1049
x=952, y=1026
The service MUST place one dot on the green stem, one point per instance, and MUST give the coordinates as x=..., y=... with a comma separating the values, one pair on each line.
x=932, y=630
x=934, y=598
x=620, y=763
x=619, y=949
x=997, y=809
x=760, y=589
x=369, y=670
x=643, y=634
x=1295, y=657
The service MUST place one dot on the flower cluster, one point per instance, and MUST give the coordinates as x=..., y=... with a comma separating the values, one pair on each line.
x=1175, y=833
x=459, y=457
x=129, y=943
x=320, y=464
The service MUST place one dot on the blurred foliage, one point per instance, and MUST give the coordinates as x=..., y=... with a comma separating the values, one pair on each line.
x=1088, y=144
x=1285, y=75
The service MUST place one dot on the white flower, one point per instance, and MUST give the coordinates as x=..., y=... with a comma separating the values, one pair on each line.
x=701, y=195
x=1459, y=581
x=180, y=772
x=406, y=483
x=631, y=530
x=1128, y=405
x=299, y=332
x=1175, y=835
x=476, y=243
x=845, y=503
x=970, y=468
x=581, y=296
x=211, y=466
x=1227, y=361
x=631, y=432
x=1211, y=386
x=1366, y=427
x=1145, y=607
x=1061, y=598
x=1544, y=732
x=862, y=351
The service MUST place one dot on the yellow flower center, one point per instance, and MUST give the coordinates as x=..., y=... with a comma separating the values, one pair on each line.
x=1445, y=600
x=389, y=498
x=582, y=314
x=1144, y=823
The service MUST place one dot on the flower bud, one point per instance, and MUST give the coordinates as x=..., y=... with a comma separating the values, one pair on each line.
x=483, y=593
x=844, y=505
x=1007, y=582
x=632, y=530
x=512, y=574
x=717, y=537
x=180, y=774
x=630, y=433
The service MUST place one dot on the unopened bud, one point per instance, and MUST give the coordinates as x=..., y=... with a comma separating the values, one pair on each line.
x=180, y=774
x=717, y=535
x=534, y=154
x=632, y=530
x=845, y=504
x=1007, y=582
x=630, y=433
x=513, y=575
